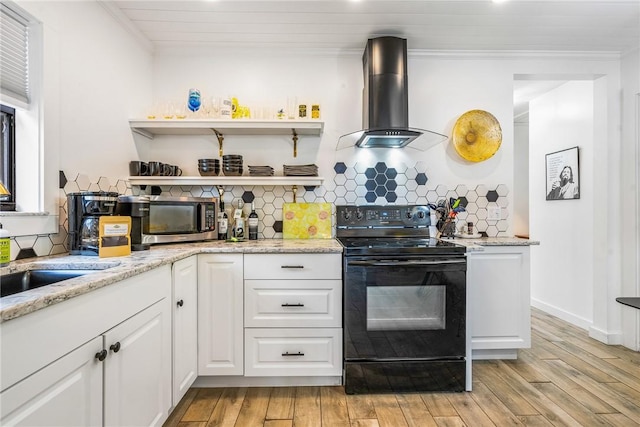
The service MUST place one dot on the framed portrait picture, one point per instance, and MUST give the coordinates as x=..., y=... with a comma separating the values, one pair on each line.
x=563, y=174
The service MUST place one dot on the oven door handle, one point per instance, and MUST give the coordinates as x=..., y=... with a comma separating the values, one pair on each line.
x=406, y=263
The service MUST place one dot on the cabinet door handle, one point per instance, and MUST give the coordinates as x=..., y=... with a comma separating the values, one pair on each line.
x=115, y=347
x=101, y=355
x=180, y=303
x=292, y=266
x=286, y=304
x=293, y=354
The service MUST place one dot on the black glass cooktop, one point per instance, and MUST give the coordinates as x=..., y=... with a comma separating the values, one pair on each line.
x=399, y=245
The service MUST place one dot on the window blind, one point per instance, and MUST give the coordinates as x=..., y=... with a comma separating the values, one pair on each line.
x=14, y=55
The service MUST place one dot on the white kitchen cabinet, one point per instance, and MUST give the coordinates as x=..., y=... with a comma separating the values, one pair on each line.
x=293, y=303
x=137, y=371
x=286, y=352
x=293, y=315
x=185, y=325
x=498, y=287
x=293, y=266
x=55, y=375
x=220, y=314
x=67, y=392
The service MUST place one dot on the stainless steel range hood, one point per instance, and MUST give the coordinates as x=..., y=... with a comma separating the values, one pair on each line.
x=385, y=101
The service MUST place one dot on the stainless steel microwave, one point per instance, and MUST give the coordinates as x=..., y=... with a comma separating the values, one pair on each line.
x=181, y=219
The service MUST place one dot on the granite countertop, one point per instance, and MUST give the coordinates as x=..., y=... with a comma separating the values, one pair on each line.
x=115, y=269
x=119, y=268
x=477, y=245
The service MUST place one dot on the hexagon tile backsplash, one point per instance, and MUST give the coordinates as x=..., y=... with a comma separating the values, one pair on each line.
x=359, y=183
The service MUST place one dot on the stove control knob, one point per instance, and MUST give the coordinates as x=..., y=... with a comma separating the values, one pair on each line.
x=409, y=216
x=420, y=214
x=346, y=215
x=359, y=215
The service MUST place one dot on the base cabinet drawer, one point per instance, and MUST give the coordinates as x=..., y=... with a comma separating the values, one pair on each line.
x=293, y=266
x=298, y=303
x=293, y=352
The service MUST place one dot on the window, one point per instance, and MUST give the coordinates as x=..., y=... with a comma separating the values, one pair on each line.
x=14, y=88
x=22, y=86
x=14, y=55
x=7, y=158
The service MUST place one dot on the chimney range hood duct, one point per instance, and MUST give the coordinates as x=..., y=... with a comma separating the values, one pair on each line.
x=385, y=100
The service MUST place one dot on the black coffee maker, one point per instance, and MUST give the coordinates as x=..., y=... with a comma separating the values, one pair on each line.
x=83, y=212
x=137, y=207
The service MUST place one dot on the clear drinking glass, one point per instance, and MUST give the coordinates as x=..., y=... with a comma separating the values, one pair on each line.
x=214, y=108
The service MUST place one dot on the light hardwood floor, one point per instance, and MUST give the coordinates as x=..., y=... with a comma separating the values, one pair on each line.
x=565, y=379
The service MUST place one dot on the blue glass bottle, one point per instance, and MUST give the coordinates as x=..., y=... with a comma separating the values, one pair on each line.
x=194, y=102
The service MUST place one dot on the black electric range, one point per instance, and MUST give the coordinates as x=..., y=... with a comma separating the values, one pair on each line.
x=404, y=300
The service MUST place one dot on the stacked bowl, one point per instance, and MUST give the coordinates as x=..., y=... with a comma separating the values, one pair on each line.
x=232, y=164
x=209, y=167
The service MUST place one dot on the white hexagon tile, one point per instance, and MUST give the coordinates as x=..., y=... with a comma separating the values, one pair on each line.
x=359, y=183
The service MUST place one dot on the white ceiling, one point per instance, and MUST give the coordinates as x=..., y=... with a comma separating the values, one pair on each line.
x=591, y=26
x=540, y=25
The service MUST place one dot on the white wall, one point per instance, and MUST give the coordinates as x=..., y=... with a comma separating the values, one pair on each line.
x=630, y=188
x=563, y=273
x=441, y=88
x=103, y=79
x=439, y=92
x=521, y=178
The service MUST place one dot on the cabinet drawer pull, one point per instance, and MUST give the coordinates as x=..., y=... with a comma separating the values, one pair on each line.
x=286, y=304
x=115, y=347
x=293, y=354
x=292, y=266
x=180, y=303
x=101, y=355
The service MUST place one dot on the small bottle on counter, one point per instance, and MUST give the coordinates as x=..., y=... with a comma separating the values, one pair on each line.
x=302, y=111
x=5, y=247
x=315, y=111
x=239, y=223
x=253, y=223
x=223, y=223
x=226, y=108
x=433, y=221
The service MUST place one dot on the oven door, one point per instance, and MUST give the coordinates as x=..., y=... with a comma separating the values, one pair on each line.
x=409, y=308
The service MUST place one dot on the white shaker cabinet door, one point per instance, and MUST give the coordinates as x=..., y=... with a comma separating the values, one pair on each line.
x=138, y=369
x=498, y=288
x=68, y=392
x=185, y=326
x=220, y=314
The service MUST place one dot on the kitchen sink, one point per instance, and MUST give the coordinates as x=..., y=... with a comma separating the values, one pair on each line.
x=31, y=279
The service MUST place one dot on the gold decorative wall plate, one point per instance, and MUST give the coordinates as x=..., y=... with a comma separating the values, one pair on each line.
x=477, y=135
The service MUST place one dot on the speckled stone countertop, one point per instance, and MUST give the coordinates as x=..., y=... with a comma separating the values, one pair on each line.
x=475, y=245
x=115, y=269
x=112, y=270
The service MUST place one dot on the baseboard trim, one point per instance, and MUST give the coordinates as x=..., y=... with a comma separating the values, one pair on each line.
x=237, y=381
x=610, y=338
x=578, y=321
x=605, y=337
x=491, y=354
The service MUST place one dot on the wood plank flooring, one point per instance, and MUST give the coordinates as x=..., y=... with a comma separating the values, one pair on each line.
x=565, y=379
